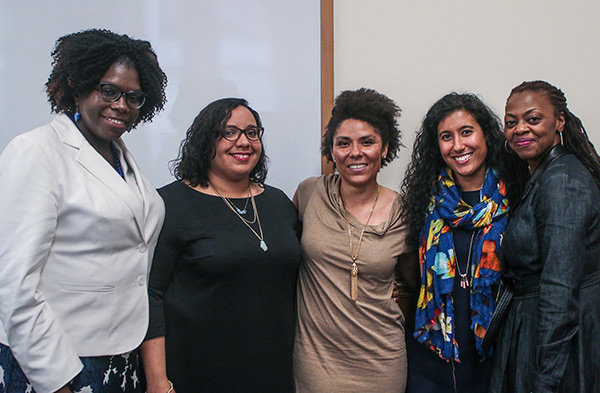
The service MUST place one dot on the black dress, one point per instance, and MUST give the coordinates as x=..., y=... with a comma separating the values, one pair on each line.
x=427, y=372
x=225, y=306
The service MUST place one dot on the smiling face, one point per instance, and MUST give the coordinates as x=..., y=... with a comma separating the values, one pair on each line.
x=463, y=149
x=531, y=126
x=102, y=122
x=357, y=152
x=234, y=160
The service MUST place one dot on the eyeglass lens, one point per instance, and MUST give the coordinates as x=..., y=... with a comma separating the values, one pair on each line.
x=233, y=133
x=112, y=93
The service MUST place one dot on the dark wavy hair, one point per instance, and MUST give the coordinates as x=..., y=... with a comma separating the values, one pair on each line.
x=199, y=146
x=371, y=107
x=427, y=162
x=81, y=59
x=575, y=138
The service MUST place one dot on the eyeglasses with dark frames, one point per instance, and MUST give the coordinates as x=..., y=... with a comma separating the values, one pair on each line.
x=111, y=93
x=233, y=133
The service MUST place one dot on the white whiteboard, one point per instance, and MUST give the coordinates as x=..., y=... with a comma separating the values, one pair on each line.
x=266, y=51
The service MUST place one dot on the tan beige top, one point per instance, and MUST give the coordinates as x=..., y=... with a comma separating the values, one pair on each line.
x=345, y=345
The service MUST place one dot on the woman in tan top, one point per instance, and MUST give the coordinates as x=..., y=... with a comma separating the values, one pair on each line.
x=350, y=336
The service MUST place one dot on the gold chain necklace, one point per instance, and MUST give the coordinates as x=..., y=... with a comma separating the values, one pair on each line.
x=232, y=205
x=263, y=244
x=353, y=256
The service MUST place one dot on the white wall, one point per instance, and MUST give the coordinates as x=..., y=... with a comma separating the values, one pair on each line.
x=266, y=51
x=417, y=51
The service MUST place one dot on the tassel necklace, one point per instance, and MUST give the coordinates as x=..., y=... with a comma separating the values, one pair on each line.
x=354, y=256
x=263, y=244
x=464, y=279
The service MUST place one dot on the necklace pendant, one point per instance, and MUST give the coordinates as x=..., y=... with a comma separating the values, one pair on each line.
x=354, y=281
x=263, y=246
x=241, y=211
x=464, y=282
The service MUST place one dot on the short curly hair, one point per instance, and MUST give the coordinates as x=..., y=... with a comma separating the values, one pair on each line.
x=427, y=162
x=199, y=146
x=372, y=107
x=81, y=59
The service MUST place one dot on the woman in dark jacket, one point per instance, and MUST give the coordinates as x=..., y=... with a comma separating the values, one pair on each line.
x=549, y=339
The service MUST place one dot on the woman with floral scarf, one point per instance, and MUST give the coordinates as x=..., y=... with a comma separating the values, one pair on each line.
x=457, y=197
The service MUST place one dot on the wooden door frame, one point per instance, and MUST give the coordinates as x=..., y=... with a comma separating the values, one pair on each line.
x=327, y=89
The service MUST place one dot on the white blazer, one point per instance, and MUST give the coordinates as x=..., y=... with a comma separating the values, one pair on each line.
x=75, y=250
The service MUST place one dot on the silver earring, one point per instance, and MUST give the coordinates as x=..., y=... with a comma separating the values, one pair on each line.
x=561, y=138
x=508, y=150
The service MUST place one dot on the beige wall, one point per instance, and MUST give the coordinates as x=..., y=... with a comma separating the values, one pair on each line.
x=417, y=51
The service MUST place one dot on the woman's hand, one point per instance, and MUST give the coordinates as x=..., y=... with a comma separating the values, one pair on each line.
x=395, y=292
x=161, y=386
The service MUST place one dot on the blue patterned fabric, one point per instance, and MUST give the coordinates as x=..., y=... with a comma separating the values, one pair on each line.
x=101, y=374
x=434, y=320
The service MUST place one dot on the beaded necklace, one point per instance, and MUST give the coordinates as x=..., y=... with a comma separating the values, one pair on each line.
x=115, y=154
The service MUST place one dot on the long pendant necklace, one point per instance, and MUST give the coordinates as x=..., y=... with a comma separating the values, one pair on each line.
x=464, y=279
x=354, y=256
x=263, y=244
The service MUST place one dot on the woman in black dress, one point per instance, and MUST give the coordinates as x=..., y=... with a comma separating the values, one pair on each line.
x=223, y=280
x=549, y=339
x=456, y=203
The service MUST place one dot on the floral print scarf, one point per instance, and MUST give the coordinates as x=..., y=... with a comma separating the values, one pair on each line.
x=434, y=320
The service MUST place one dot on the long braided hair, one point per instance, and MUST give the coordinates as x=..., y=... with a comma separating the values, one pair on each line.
x=575, y=138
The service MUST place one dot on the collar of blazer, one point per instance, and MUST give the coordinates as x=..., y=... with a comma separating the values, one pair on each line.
x=97, y=166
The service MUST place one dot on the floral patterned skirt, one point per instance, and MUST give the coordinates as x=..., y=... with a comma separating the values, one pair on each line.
x=100, y=374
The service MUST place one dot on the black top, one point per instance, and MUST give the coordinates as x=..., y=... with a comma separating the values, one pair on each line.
x=462, y=296
x=427, y=372
x=226, y=307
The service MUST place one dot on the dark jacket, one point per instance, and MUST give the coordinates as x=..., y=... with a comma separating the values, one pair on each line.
x=550, y=340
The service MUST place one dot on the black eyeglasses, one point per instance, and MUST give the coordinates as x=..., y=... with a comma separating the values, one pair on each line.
x=111, y=93
x=233, y=133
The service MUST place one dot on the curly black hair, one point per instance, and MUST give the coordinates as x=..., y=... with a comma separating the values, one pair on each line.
x=371, y=107
x=575, y=137
x=199, y=146
x=427, y=162
x=81, y=59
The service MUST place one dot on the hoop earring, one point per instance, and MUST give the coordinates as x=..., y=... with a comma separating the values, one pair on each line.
x=561, y=138
x=508, y=149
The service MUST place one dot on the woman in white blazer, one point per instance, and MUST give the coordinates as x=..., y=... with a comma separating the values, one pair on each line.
x=79, y=223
